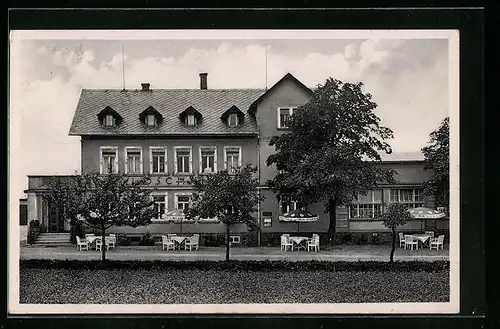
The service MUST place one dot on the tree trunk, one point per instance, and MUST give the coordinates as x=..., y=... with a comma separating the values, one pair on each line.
x=332, y=210
x=103, y=246
x=393, y=244
x=227, y=243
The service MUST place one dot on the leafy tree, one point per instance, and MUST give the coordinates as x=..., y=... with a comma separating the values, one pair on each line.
x=437, y=159
x=107, y=200
x=331, y=150
x=230, y=198
x=396, y=214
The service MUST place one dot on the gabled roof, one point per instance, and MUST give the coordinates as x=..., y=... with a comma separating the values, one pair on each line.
x=288, y=76
x=190, y=110
x=169, y=103
x=233, y=109
x=109, y=110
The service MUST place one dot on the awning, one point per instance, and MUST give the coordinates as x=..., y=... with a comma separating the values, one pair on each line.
x=426, y=213
x=298, y=216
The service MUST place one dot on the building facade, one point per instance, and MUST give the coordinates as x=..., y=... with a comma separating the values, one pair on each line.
x=171, y=134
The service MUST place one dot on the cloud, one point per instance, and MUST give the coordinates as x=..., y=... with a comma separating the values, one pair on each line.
x=411, y=97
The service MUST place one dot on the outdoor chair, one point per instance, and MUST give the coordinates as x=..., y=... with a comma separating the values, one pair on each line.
x=410, y=241
x=166, y=242
x=285, y=243
x=81, y=245
x=430, y=233
x=98, y=244
x=192, y=242
x=111, y=241
x=437, y=243
x=401, y=240
x=313, y=243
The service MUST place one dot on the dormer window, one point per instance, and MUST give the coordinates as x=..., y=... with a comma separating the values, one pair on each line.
x=150, y=120
x=150, y=117
x=109, y=117
x=190, y=120
x=232, y=120
x=109, y=120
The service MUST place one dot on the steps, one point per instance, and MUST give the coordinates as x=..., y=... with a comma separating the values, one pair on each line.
x=53, y=239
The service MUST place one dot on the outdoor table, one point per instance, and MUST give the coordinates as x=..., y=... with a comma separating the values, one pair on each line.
x=92, y=239
x=178, y=239
x=299, y=241
x=423, y=238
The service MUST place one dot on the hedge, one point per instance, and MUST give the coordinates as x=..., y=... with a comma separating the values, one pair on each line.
x=234, y=265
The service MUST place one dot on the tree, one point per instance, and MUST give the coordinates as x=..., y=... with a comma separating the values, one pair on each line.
x=230, y=198
x=108, y=200
x=437, y=159
x=331, y=150
x=396, y=214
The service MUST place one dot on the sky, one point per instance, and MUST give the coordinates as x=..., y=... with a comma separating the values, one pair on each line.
x=408, y=79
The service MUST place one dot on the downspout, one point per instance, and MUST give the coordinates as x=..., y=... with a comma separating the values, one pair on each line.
x=258, y=191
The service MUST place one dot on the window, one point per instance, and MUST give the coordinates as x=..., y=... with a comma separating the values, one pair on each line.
x=160, y=205
x=183, y=160
x=366, y=206
x=208, y=159
x=287, y=206
x=232, y=158
x=182, y=201
x=235, y=239
x=190, y=120
x=412, y=198
x=151, y=120
x=233, y=120
x=133, y=160
x=109, y=120
x=284, y=115
x=158, y=160
x=108, y=160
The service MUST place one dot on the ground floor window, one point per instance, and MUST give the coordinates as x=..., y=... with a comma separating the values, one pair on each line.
x=160, y=205
x=367, y=206
x=182, y=201
x=287, y=206
x=411, y=197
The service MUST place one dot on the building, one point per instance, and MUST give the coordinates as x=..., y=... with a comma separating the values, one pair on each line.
x=170, y=134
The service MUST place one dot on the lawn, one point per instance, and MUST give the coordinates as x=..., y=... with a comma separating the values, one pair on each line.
x=167, y=286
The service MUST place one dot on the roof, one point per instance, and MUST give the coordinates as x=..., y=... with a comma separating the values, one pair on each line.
x=288, y=76
x=211, y=103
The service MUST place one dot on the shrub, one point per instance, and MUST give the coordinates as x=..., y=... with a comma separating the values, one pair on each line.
x=361, y=239
x=123, y=241
x=260, y=266
x=147, y=240
x=34, y=229
x=375, y=238
x=346, y=238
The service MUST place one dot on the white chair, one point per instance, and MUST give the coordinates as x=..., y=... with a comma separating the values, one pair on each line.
x=111, y=241
x=81, y=245
x=98, y=244
x=192, y=242
x=285, y=243
x=437, y=242
x=313, y=243
x=410, y=241
x=430, y=233
x=401, y=240
x=166, y=242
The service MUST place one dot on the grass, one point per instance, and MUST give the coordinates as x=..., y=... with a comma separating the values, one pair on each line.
x=195, y=286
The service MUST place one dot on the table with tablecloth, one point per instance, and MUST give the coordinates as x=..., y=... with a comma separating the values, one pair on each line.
x=299, y=241
x=422, y=238
x=178, y=240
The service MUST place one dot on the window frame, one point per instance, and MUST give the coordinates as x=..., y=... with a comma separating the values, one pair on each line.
x=373, y=204
x=410, y=204
x=165, y=196
x=153, y=148
x=280, y=205
x=291, y=109
x=155, y=120
x=240, y=156
x=101, y=159
x=105, y=120
x=178, y=194
x=229, y=120
x=141, y=169
x=176, y=148
x=200, y=160
x=195, y=121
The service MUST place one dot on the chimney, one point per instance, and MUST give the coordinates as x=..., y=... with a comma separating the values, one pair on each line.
x=203, y=81
x=145, y=86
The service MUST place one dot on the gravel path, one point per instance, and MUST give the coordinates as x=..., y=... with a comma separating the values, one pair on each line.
x=60, y=286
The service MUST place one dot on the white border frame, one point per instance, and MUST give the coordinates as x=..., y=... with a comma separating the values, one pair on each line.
x=101, y=149
x=165, y=149
x=199, y=159
x=240, y=156
x=190, y=160
x=125, y=157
